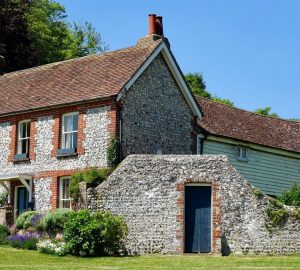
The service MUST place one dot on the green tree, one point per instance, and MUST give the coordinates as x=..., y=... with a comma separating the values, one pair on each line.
x=45, y=36
x=14, y=36
x=266, y=111
x=198, y=87
x=197, y=84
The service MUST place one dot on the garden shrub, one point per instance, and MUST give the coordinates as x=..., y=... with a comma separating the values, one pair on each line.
x=51, y=246
x=3, y=198
x=4, y=233
x=94, y=234
x=53, y=222
x=291, y=197
x=23, y=220
x=93, y=177
x=24, y=241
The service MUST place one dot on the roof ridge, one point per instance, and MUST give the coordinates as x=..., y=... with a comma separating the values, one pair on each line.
x=49, y=65
x=244, y=110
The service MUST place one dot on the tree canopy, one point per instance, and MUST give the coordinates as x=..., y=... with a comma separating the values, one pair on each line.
x=198, y=87
x=35, y=32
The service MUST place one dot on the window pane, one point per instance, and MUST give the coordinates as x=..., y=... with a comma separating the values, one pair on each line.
x=65, y=188
x=66, y=204
x=23, y=147
x=244, y=153
x=75, y=136
x=68, y=123
x=23, y=130
x=75, y=122
x=67, y=140
x=28, y=129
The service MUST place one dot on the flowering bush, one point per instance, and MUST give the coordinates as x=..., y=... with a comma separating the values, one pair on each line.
x=35, y=221
x=24, y=241
x=51, y=246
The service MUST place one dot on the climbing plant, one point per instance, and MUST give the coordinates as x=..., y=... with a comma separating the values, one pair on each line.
x=113, y=153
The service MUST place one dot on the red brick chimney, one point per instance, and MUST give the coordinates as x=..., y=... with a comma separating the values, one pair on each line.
x=155, y=32
x=155, y=25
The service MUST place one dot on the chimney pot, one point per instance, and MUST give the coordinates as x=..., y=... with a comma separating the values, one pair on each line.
x=152, y=24
x=159, y=26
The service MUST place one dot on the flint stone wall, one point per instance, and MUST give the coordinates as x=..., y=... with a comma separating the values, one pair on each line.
x=156, y=116
x=144, y=190
x=96, y=139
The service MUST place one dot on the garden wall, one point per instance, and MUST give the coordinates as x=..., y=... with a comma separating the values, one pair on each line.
x=148, y=190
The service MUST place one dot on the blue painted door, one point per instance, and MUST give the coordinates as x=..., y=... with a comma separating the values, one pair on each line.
x=22, y=200
x=197, y=219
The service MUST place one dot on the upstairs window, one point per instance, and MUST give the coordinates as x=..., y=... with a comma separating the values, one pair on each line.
x=69, y=136
x=242, y=153
x=65, y=200
x=23, y=137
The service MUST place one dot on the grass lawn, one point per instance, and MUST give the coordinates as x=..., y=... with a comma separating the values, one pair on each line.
x=24, y=260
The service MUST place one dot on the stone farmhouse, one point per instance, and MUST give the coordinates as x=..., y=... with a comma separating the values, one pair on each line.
x=58, y=119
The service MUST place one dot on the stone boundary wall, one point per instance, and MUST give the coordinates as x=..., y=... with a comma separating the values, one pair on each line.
x=148, y=190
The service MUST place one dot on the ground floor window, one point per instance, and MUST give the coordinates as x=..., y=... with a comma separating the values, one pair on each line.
x=64, y=195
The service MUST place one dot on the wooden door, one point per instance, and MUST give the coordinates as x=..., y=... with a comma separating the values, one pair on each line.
x=197, y=219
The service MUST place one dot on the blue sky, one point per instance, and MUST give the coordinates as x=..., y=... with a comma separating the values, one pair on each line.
x=247, y=50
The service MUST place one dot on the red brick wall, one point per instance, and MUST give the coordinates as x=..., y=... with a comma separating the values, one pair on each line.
x=216, y=216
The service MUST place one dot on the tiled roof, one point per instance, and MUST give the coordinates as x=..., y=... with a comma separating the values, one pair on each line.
x=70, y=81
x=225, y=121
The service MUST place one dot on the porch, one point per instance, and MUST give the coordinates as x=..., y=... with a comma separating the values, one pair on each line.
x=19, y=188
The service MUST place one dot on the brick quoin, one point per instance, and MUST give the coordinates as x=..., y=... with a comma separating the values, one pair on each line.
x=216, y=216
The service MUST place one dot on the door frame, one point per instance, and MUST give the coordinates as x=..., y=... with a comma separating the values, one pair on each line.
x=211, y=211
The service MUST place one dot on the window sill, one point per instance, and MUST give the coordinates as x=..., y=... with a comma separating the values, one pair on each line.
x=70, y=152
x=21, y=157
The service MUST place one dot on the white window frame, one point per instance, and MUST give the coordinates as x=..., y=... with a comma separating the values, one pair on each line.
x=27, y=139
x=199, y=143
x=239, y=153
x=61, y=185
x=64, y=133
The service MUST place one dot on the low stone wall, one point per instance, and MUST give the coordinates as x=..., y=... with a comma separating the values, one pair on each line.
x=149, y=192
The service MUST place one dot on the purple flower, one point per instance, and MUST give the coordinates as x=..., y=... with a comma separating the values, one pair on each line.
x=27, y=240
x=35, y=220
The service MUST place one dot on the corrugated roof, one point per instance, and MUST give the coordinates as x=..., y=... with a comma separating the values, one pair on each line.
x=222, y=120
